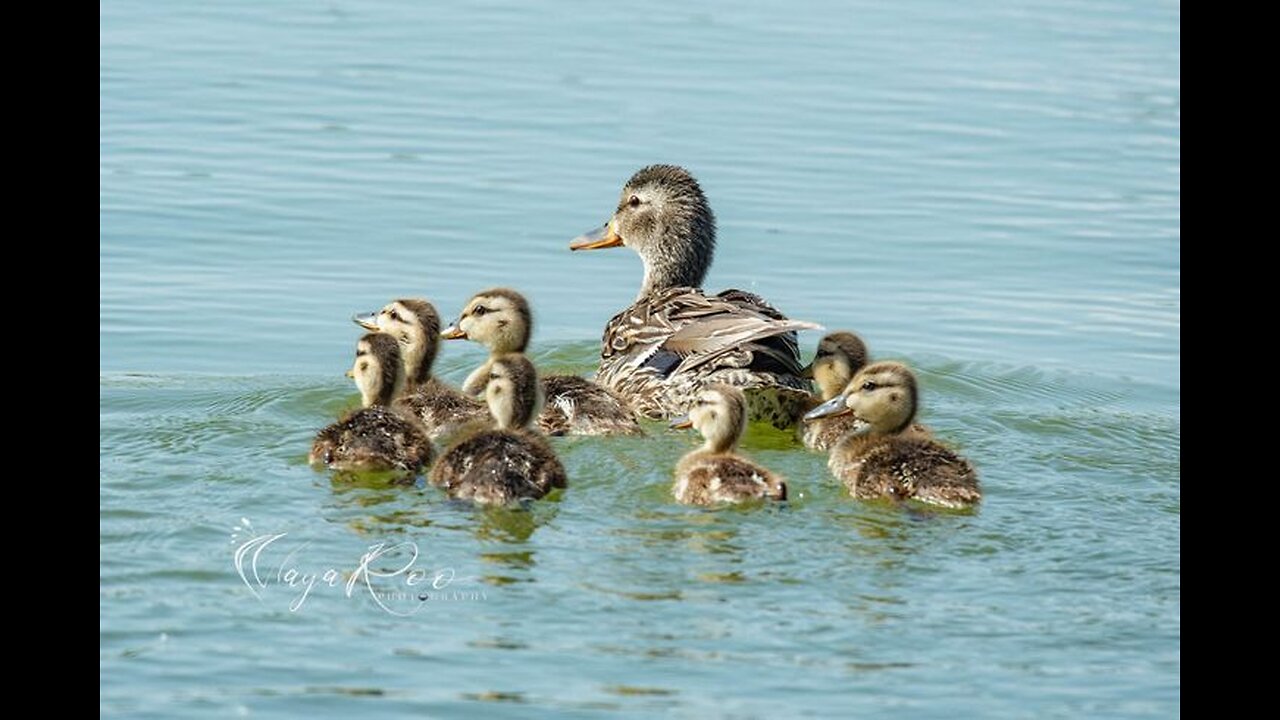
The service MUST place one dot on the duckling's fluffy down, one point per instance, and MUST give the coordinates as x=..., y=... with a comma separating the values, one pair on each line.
x=499, y=467
x=373, y=438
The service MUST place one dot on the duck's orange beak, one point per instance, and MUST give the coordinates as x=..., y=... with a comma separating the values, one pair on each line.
x=453, y=332
x=681, y=423
x=604, y=237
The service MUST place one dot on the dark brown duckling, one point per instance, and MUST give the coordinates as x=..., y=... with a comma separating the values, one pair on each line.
x=714, y=474
x=883, y=456
x=375, y=437
x=444, y=411
x=501, y=320
x=510, y=463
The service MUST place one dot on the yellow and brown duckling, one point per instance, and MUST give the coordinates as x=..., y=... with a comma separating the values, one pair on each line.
x=882, y=456
x=443, y=411
x=840, y=356
x=375, y=437
x=510, y=463
x=714, y=473
x=501, y=320
x=675, y=339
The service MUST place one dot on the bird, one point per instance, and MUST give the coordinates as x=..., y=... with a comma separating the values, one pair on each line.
x=882, y=455
x=509, y=463
x=501, y=320
x=444, y=411
x=714, y=473
x=375, y=437
x=839, y=357
x=675, y=338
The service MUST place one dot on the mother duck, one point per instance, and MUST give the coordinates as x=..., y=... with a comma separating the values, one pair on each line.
x=675, y=339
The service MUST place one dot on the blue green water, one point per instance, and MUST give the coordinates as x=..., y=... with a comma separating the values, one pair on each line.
x=989, y=190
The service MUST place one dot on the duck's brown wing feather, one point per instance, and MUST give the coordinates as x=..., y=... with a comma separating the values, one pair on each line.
x=680, y=329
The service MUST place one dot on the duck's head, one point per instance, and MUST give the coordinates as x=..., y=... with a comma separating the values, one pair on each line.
x=882, y=397
x=663, y=215
x=512, y=391
x=719, y=412
x=840, y=355
x=377, y=369
x=499, y=319
x=416, y=325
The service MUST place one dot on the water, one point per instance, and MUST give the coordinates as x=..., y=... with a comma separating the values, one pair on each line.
x=987, y=190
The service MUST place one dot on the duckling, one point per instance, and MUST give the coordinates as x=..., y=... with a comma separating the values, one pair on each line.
x=840, y=355
x=510, y=463
x=375, y=437
x=882, y=456
x=675, y=339
x=444, y=411
x=500, y=319
x=714, y=473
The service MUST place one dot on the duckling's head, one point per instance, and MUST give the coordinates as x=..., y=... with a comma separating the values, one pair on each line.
x=416, y=325
x=512, y=391
x=377, y=369
x=719, y=412
x=882, y=397
x=664, y=216
x=499, y=319
x=840, y=355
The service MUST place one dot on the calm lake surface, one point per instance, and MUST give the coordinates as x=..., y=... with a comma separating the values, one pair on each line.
x=988, y=190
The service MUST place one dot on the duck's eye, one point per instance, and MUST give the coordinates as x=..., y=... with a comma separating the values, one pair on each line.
x=868, y=385
x=494, y=376
x=395, y=316
x=480, y=310
x=360, y=352
x=634, y=201
x=364, y=366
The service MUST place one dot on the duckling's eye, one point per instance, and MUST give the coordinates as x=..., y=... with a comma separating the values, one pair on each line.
x=480, y=310
x=494, y=376
x=364, y=366
x=634, y=201
x=395, y=316
x=868, y=385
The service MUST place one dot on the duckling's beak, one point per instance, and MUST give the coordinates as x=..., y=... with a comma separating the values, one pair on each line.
x=831, y=408
x=453, y=332
x=368, y=321
x=681, y=423
x=350, y=374
x=605, y=237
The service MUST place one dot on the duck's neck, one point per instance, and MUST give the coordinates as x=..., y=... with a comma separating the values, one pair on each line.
x=509, y=412
x=667, y=271
x=719, y=440
x=382, y=394
x=857, y=445
x=517, y=341
x=831, y=376
x=418, y=359
x=680, y=254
